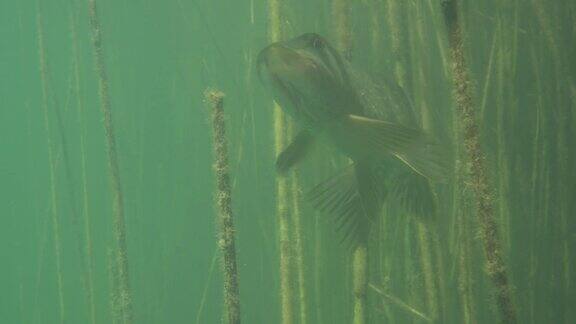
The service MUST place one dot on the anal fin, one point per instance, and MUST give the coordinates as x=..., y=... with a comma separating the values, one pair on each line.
x=353, y=198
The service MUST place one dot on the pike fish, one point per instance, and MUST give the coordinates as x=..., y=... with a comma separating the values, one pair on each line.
x=390, y=161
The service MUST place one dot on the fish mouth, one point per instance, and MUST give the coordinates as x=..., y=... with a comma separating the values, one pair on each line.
x=288, y=69
x=291, y=75
x=262, y=62
x=286, y=63
x=305, y=57
x=273, y=70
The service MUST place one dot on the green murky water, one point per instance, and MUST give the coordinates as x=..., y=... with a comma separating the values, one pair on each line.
x=59, y=238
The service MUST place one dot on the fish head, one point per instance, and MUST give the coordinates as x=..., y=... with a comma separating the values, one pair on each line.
x=305, y=56
x=308, y=78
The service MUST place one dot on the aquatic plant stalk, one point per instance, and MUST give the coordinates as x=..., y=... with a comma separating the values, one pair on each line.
x=342, y=27
x=375, y=34
x=359, y=283
x=87, y=254
x=427, y=269
x=297, y=238
x=318, y=270
x=205, y=291
x=463, y=253
x=54, y=213
x=343, y=32
x=562, y=60
x=420, y=87
x=400, y=303
x=286, y=292
x=393, y=18
x=226, y=240
x=538, y=165
x=119, y=226
x=112, y=269
x=299, y=249
x=465, y=112
x=71, y=192
x=505, y=107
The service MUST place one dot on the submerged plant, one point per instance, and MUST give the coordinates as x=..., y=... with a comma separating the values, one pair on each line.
x=119, y=225
x=275, y=32
x=478, y=176
x=54, y=212
x=226, y=241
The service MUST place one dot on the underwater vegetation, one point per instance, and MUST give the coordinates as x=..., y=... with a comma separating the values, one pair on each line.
x=375, y=161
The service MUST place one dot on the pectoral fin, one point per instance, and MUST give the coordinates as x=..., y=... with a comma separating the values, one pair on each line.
x=295, y=152
x=369, y=138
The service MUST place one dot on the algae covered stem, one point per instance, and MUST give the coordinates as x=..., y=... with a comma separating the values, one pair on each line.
x=226, y=240
x=119, y=226
x=466, y=116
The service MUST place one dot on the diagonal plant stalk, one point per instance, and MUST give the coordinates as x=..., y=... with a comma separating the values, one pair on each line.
x=396, y=301
x=119, y=226
x=205, y=290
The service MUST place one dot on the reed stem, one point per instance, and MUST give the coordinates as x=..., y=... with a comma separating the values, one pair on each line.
x=427, y=269
x=394, y=18
x=87, y=254
x=226, y=240
x=279, y=121
x=431, y=277
x=119, y=225
x=466, y=115
x=360, y=282
x=342, y=27
x=54, y=212
x=114, y=294
x=205, y=291
x=298, y=245
x=463, y=253
x=394, y=300
x=341, y=12
x=286, y=290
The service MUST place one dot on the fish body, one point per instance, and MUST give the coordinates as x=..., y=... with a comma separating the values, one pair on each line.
x=312, y=84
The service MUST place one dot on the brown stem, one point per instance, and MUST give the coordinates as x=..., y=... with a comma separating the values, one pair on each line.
x=466, y=115
x=119, y=225
x=226, y=241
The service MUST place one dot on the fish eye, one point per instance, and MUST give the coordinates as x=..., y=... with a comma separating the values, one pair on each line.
x=317, y=42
